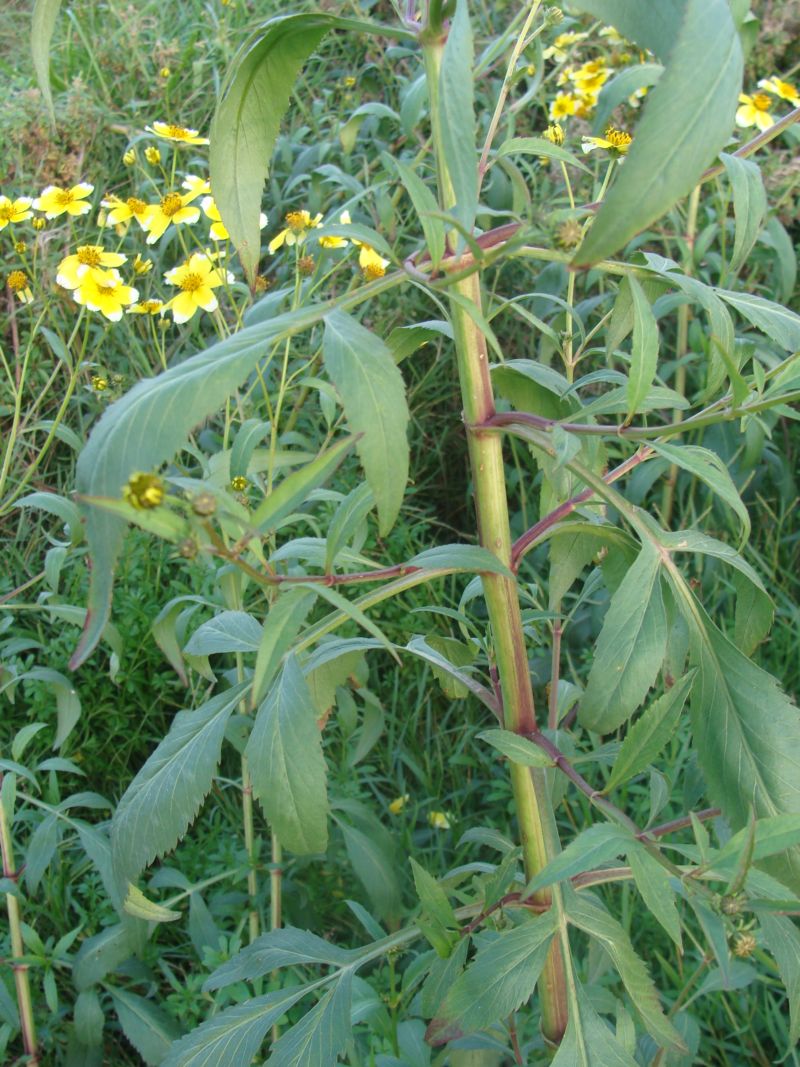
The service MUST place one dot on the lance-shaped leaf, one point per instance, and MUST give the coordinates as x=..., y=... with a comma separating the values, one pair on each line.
x=587, y=914
x=230, y=631
x=502, y=976
x=687, y=118
x=746, y=732
x=783, y=941
x=711, y=470
x=255, y=96
x=236, y=1034
x=148, y=1028
x=644, y=350
x=749, y=205
x=518, y=749
x=374, y=398
x=284, y=947
x=589, y=1042
x=653, y=883
x=164, y=797
x=321, y=1034
x=287, y=765
x=593, y=847
x=630, y=648
x=776, y=321
x=45, y=13
x=456, y=105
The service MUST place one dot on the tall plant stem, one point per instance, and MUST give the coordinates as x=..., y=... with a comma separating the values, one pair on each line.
x=24, y=1000
x=535, y=814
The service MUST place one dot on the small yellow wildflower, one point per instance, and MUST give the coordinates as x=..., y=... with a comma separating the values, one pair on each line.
x=55, y=201
x=554, y=134
x=397, y=805
x=197, y=278
x=591, y=76
x=73, y=269
x=177, y=134
x=39, y=224
x=164, y=72
x=125, y=210
x=152, y=155
x=784, y=90
x=99, y=383
x=146, y=307
x=20, y=286
x=218, y=232
x=129, y=157
x=20, y=248
x=587, y=102
x=142, y=266
x=564, y=41
x=615, y=142
x=565, y=104
x=438, y=820
x=172, y=208
x=372, y=265
x=337, y=242
x=144, y=491
x=239, y=483
x=12, y=211
x=755, y=111
x=297, y=225
x=104, y=291
x=349, y=81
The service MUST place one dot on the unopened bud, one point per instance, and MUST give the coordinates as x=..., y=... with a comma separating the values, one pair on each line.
x=204, y=504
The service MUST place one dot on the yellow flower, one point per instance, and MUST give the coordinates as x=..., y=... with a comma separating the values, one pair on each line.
x=337, y=242
x=438, y=820
x=177, y=134
x=297, y=225
x=197, y=278
x=73, y=269
x=754, y=111
x=99, y=383
x=554, y=134
x=129, y=157
x=218, y=231
x=125, y=210
x=164, y=72
x=39, y=224
x=558, y=49
x=55, y=201
x=349, y=81
x=591, y=76
x=14, y=210
x=142, y=266
x=171, y=208
x=564, y=104
x=785, y=90
x=152, y=155
x=104, y=291
x=587, y=102
x=146, y=307
x=144, y=491
x=397, y=805
x=239, y=483
x=372, y=265
x=196, y=186
x=20, y=286
x=615, y=142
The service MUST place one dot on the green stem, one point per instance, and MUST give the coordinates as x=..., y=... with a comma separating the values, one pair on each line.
x=532, y=800
x=24, y=999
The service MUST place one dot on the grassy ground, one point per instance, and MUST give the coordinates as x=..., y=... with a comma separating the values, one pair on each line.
x=116, y=68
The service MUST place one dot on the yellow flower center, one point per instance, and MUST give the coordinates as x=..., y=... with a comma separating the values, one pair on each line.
x=618, y=138
x=136, y=205
x=144, y=490
x=296, y=220
x=17, y=281
x=373, y=271
x=6, y=212
x=761, y=102
x=171, y=204
x=179, y=132
x=64, y=197
x=150, y=306
x=191, y=282
x=89, y=255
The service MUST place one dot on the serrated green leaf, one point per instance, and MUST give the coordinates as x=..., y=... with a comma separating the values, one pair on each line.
x=587, y=914
x=141, y=907
x=644, y=349
x=321, y=1034
x=284, y=947
x=650, y=733
x=776, y=321
x=653, y=884
x=148, y=1028
x=588, y=1041
x=592, y=848
x=502, y=976
x=630, y=649
x=749, y=205
x=101, y=954
x=285, y=617
x=164, y=797
x=783, y=941
x=433, y=898
x=374, y=398
x=456, y=105
x=234, y=1035
x=712, y=472
x=687, y=118
x=287, y=766
x=518, y=749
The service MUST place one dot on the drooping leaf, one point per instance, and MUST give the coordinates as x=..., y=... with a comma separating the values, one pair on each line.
x=644, y=349
x=712, y=472
x=783, y=941
x=749, y=205
x=457, y=111
x=141, y=907
x=164, y=797
x=650, y=733
x=502, y=976
x=687, y=118
x=284, y=947
x=234, y=1035
x=776, y=321
x=287, y=766
x=630, y=648
x=321, y=1034
x=148, y=1028
x=374, y=398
